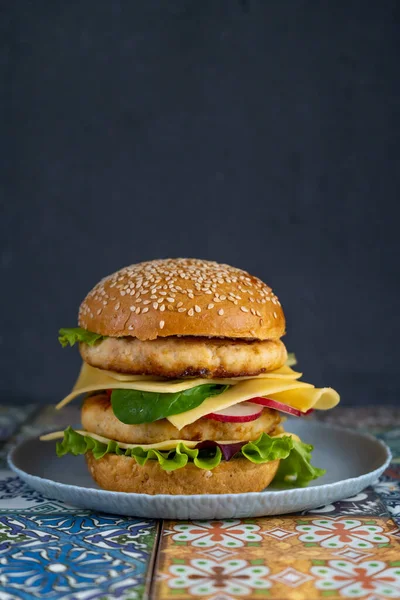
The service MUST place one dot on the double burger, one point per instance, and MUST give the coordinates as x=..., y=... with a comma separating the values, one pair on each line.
x=186, y=383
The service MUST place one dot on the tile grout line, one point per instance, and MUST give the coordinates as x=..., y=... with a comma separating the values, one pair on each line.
x=154, y=562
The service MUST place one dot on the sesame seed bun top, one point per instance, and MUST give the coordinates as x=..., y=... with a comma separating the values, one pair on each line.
x=182, y=296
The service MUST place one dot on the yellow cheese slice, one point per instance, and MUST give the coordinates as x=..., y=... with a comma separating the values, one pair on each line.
x=166, y=445
x=244, y=390
x=91, y=379
x=305, y=399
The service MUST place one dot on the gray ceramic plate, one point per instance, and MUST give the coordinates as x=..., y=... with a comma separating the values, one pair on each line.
x=352, y=460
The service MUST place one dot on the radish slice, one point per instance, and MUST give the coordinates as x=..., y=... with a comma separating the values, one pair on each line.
x=238, y=413
x=281, y=407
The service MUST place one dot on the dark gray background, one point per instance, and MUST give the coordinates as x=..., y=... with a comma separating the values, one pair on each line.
x=262, y=134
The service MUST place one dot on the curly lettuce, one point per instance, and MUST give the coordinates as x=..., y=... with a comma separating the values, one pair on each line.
x=74, y=335
x=295, y=468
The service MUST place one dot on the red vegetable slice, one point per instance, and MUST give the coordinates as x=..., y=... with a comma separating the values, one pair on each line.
x=243, y=412
x=228, y=450
x=281, y=407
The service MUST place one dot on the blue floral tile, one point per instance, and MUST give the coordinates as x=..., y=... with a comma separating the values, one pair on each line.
x=51, y=571
x=388, y=487
x=366, y=503
x=97, y=556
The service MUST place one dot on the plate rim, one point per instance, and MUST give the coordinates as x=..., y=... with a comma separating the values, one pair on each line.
x=153, y=498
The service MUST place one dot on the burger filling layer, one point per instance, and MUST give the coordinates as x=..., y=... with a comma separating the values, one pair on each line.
x=185, y=356
x=98, y=417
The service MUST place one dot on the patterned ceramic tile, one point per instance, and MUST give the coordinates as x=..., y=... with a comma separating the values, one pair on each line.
x=46, y=556
x=367, y=502
x=389, y=489
x=274, y=557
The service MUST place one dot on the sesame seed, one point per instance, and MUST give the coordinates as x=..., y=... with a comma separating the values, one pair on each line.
x=117, y=305
x=197, y=308
x=130, y=327
x=221, y=311
x=99, y=311
x=145, y=310
x=275, y=315
x=244, y=309
x=258, y=313
x=181, y=310
x=160, y=278
x=162, y=323
x=132, y=308
x=138, y=310
x=162, y=307
x=210, y=306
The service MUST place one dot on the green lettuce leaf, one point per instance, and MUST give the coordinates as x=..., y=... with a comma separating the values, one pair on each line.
x=294, y=470
x=169, y=460
x=297, y=469
x=74, y=335
x=133, y=407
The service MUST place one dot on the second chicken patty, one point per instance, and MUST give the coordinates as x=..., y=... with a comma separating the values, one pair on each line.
x=98, y=417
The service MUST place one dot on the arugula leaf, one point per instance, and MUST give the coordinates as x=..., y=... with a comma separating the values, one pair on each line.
x=133, y=407
x=73, y=335
x=295, y=468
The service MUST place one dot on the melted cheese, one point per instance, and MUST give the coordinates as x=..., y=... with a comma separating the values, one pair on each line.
x=302, y=396
x=91, y=380
x=281, y=385
x=166, y=445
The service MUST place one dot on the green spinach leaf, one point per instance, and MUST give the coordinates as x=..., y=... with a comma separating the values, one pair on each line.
x=134, y=407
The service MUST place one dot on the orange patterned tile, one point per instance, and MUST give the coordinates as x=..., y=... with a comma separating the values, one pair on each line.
x=286, y=557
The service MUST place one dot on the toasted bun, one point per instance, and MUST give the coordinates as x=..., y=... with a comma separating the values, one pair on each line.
x=182, y=296
x=124, y=474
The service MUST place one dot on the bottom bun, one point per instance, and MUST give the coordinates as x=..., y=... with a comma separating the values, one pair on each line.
x=124, y=474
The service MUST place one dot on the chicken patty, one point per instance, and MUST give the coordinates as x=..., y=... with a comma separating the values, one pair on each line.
x=186, y=356
x=98, y=417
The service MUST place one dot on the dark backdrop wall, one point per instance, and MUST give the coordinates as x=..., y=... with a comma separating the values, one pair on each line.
x=262, y=134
